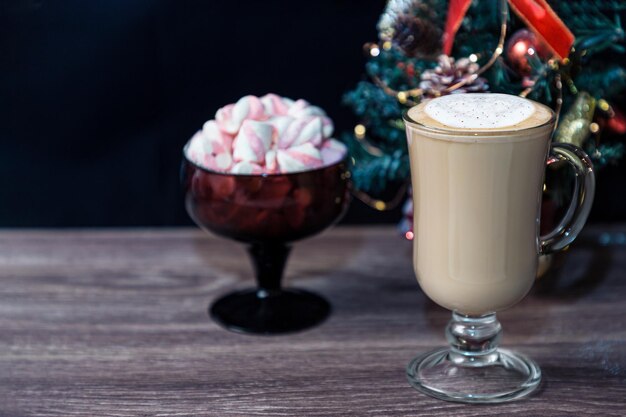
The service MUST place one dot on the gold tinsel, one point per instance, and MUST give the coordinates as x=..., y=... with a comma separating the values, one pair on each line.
x=577, y=124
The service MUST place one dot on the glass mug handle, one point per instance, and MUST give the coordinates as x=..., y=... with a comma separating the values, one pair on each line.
x=578, y=210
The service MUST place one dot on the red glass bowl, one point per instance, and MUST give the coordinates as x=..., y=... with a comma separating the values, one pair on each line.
x=267, y=212
x=266, y=208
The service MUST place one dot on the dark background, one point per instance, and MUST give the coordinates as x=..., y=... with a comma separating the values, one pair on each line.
x=97, y=98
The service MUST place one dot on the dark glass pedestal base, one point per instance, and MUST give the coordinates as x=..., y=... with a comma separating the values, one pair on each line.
x=269, y=312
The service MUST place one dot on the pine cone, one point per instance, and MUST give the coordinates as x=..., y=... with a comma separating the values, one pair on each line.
x=416, y=37
x=435, y=81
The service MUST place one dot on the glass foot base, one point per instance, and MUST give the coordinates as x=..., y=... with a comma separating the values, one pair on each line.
x=504, y=376
x=269, y=312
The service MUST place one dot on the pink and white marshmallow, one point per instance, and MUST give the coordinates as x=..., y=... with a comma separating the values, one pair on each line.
x=221, y=145
x=247, y=168
x=280, y=123
x=275, y=104
x=218, y=139
x=332, y=151
x=271, y=163
x=198, y=147
x=297, y=107
x=327, y=127
x=266, y=135
x=231, y=117
x=200, y=152
x=299, y=158
x=302, y=131
x=253, y=141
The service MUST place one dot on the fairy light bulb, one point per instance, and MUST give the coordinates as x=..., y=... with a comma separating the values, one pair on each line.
x=359, y=131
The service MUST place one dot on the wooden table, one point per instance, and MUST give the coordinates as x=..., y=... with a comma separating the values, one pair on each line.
x=114, y=323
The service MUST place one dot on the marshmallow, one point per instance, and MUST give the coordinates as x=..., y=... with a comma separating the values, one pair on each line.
x=288, y=102
x=223, y=161
x=221, y=142
x=299, y=158
x=249, y=107
x=270, y=134
x=327, y=127
x=253, y=141
x=231, y=117
x=246, y=168
x=297, y=107
x=223, y=118
x=309, y=111
x=302, y=131
x=333, y=151
x=280, y=123
x=271, y=164
x=212, y=163
x=198, y=148
x=274, y=105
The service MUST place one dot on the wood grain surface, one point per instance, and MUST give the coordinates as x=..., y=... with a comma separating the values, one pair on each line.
x=114, y=323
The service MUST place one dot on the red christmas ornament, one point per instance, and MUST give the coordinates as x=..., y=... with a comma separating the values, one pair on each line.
x=520, y=46
x=617, y=123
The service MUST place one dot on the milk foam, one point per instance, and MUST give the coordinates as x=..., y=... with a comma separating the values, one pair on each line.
x=479, y=111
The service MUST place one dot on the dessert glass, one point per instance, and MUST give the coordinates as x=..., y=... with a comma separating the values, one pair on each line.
x=267, y=213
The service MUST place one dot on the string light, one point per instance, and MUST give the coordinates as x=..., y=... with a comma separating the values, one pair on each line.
x=359, y=131
x=594, y=128
x=380, y=205
x=603, y=105
x=374, y=51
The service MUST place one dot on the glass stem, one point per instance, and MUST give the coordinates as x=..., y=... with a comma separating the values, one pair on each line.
x=474, y=340
x=269, y=262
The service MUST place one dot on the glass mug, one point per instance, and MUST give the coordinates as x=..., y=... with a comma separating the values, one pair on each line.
x=477, y=199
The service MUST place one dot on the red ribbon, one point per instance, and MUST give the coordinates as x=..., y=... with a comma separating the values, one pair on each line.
x=456, y=13
x=537, y=14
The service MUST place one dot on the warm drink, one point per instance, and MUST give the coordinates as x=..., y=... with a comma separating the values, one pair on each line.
x=477, y=166
x=477, y=183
